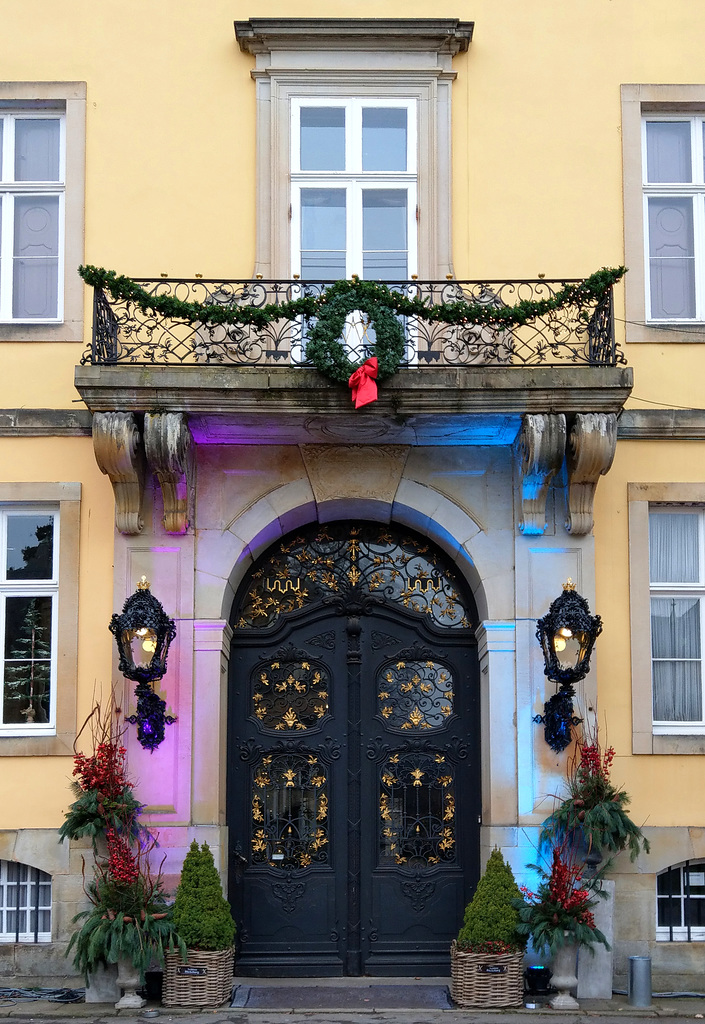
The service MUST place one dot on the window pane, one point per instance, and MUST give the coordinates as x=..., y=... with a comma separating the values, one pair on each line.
x=323, y=139
x=35, y=287
x=384, y=234
x=669, y=913
x=669, y=882
x=673, y=547
x=668, y=151
x=30, y=545
x=694, y=879
x=677, y=691
x=37, y=149
x=323, y=233
x=694, y=912
x=27, y=660
x=383, y=139
x=675, y=627
x=671, y=254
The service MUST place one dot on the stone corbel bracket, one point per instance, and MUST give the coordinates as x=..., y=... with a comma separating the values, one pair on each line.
x=542, y=444
x=590, y=452
x=168, y=446
x=118, y=451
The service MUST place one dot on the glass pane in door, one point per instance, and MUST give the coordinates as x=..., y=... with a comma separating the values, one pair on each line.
x=668, y=151
x=672, y=257
x=323, y=234
x=384, y=139
x=322, y=138
x=385, y=242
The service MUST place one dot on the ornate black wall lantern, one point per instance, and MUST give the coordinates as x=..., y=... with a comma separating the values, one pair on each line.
x=567, y=635
x=143, y=634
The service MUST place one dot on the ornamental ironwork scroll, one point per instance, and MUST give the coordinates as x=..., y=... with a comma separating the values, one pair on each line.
x=415, y=695
x=330, y=561
x=579, y=332
x=416, y=809
x=290, y=692
x=289, y=811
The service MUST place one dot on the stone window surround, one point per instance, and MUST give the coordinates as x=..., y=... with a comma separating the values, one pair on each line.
x=69, y=97
x=640, y=496
x=353, y=57
x=638, y=100
x=68, y=498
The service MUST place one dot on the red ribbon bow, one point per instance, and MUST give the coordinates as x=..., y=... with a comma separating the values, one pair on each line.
x=364, y=389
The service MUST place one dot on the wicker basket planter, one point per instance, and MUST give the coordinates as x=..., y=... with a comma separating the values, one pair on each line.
x=206, y=979
x=486, y=980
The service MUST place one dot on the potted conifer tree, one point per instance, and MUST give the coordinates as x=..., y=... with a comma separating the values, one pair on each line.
x=487, y=956
x=204, y=923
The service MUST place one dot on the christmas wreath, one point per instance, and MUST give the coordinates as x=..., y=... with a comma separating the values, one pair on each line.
x=324, y=347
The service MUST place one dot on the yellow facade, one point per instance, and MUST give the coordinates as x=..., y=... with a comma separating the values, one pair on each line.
x=171, y=179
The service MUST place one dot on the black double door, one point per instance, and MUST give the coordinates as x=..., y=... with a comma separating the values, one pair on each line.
x=353, y=793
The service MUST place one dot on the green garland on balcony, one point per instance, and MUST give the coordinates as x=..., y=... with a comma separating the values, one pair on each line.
x=330, y=307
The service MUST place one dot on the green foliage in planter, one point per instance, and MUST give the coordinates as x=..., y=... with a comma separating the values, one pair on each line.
x=595, y=807
x=491, y=919
x=92, y=813
x=132, y=922
x=201, y=913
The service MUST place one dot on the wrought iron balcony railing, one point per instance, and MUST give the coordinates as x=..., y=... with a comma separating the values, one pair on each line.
x=578, y=333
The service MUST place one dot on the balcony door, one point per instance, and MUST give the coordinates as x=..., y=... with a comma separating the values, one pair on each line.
x=354, y=188
x=353, y=765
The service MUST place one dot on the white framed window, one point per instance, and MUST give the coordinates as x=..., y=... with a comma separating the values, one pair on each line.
x=662, y=187
x=25, y=903
x=677, y=601
x=354, y=187
x=32, y=192
x=391, y=64
x=29, y=592
x=680, y=903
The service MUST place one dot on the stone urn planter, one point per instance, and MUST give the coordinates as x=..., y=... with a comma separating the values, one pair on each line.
x=128, y=980
x=565, y=978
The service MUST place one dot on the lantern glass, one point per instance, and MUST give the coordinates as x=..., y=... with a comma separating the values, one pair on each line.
x=140, y=645
x=570, y=647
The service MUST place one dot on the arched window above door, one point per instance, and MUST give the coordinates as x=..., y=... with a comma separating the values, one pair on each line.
x=332, y=563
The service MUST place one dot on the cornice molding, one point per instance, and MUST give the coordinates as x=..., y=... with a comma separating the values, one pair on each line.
x=661, y=425
x=45, y=423
x=442, y=35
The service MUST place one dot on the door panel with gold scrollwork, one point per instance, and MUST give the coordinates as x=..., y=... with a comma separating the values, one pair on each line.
x=353, y=772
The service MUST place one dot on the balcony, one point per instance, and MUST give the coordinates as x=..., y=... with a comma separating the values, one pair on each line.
x=499, y=362
x=472, y=380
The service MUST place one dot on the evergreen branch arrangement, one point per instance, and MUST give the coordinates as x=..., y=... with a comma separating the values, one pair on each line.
x=382, y=304
x=561, y=909
x=130, y=917
x=104, y=797
x=595, y=807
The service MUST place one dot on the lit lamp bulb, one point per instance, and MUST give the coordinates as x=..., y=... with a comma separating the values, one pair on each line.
x=558, y=644
x=149, y=645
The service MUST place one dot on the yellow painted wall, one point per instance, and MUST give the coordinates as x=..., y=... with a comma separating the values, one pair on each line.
x=655, y=783
x=170, y=138
x=35, y=791
x=537, y=189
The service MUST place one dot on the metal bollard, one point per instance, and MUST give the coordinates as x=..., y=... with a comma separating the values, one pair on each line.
x=639, y=981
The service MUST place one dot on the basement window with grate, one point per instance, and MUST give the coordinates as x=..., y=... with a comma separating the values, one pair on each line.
x=680, y=903
x=25, y=903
